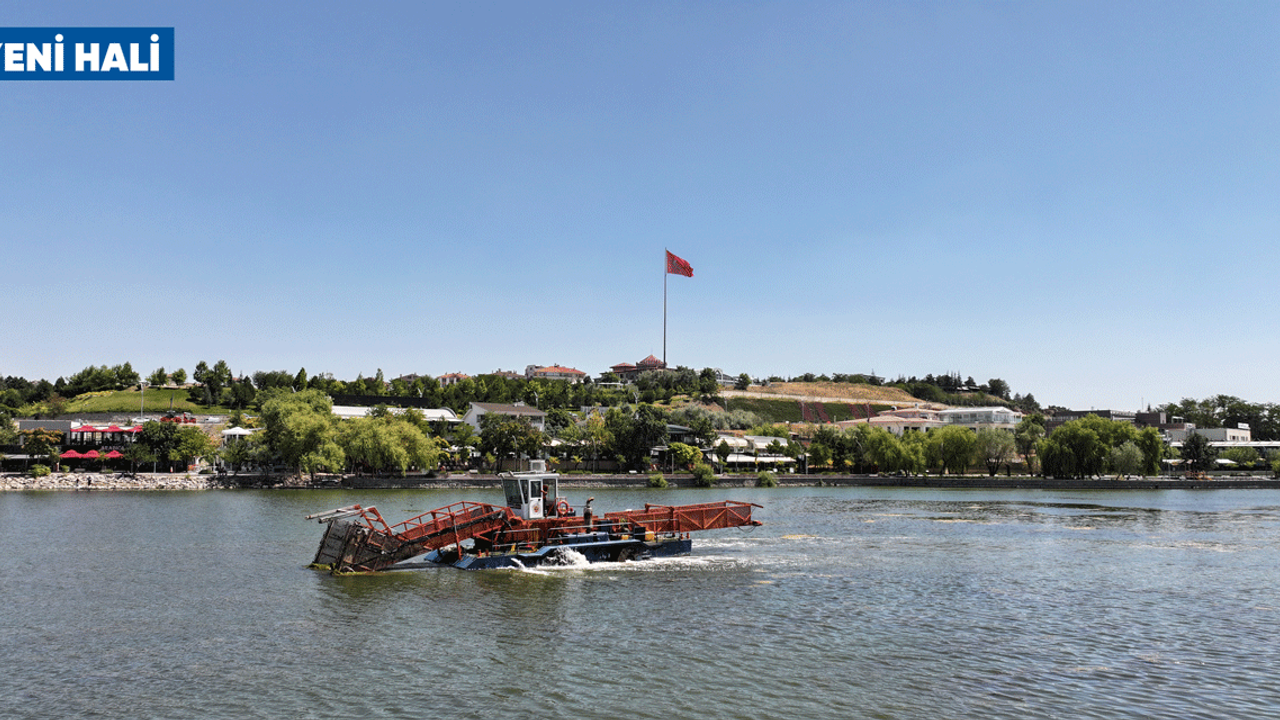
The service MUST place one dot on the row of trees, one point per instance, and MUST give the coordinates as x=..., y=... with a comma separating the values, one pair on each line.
x=216, y=385
x=1080, y=448
x=299, y=431
x=1218, y=411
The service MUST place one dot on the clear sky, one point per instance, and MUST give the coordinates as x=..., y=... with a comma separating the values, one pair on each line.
x=1080, y=198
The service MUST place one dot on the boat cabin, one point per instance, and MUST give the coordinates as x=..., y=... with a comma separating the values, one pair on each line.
x=535, y=495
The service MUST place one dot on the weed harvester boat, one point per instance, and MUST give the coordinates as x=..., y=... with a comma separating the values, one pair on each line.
x=536, y=527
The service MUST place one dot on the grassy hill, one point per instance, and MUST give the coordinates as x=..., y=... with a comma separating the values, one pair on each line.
x=158, y=400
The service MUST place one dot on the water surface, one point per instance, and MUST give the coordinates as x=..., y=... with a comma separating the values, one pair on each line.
x=848, y=603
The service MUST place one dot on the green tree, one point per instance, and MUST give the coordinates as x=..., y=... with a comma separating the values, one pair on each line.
x=501, y=435
x=387, y=443
x=683, y=455
x=179, y=377
x=300, y=430
x=708, y=382
x=159, y=439
x=1126, y=459
x=887, y=451
x=998, y=387
x=41, y=442
x=1153, y=448
x=1198, y=453
x=1074, y=449
x=995, y=447
x=635, y=432
x=241, y=394
x=819, y=454
x=557, y=420
x=703, y=475
x=952, y=448
x=1026, y=436
x=158, y=377
x=190, y=444
x=139, y=454
x=125, y=376
x=1244, y=457
x=914, y=453
x=242, y=452
x=723, y=451
x=744, y=382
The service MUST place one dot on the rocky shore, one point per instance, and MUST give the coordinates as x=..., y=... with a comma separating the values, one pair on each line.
x=108, y=481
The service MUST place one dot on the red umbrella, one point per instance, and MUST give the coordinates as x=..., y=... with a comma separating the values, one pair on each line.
x=114, y=454
x=71, y=454
x=92, y=454
x=114, y=429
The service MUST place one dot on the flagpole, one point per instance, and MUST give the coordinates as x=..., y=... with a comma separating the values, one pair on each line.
x=664, y=307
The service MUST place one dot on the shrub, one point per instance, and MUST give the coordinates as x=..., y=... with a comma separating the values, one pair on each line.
x=39, y=471
x=766, y=479
x=657, y=481
x=703, y=475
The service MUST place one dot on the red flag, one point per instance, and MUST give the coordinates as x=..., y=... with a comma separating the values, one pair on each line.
x=678, y=266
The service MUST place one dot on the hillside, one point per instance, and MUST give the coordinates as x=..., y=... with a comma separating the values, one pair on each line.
x=827, y=392
x=158, y=400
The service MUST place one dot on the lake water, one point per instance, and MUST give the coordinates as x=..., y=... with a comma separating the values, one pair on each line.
x=848, y=603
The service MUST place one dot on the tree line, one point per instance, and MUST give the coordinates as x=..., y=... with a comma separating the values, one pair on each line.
x=298, y=430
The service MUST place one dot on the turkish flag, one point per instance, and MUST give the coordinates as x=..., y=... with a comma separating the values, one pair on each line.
x=678, y=266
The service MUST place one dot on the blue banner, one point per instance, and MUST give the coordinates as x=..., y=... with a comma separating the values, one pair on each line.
x=91, y=53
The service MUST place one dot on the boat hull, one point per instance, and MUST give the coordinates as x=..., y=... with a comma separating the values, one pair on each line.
x=593, y=549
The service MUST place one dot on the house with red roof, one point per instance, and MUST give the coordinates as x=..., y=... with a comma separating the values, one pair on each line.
x=452, y=379
x=554, y=372
x=628, y=372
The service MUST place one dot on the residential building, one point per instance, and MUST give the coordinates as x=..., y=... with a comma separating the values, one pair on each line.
x=628, y=372
x=981, y=417
x=536, y=417
x=452, y=379
x=554, y=372
x=901, y=421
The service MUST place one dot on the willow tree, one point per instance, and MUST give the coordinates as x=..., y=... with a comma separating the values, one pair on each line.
x=301, y=430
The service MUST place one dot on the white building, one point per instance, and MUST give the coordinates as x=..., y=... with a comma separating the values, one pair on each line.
x=347, y=412
x=536, y=417
x=900, y=421
x=981, y=417
x=1241, y=434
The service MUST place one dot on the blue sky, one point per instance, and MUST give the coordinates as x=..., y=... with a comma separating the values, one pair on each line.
x=1079, y=198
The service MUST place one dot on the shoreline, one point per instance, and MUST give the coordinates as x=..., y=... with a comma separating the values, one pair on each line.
x=103, y=482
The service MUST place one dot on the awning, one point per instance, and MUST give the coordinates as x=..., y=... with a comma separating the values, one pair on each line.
x=70, y=454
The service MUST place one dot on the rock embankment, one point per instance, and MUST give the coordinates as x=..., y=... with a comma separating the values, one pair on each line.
x=97, y=481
